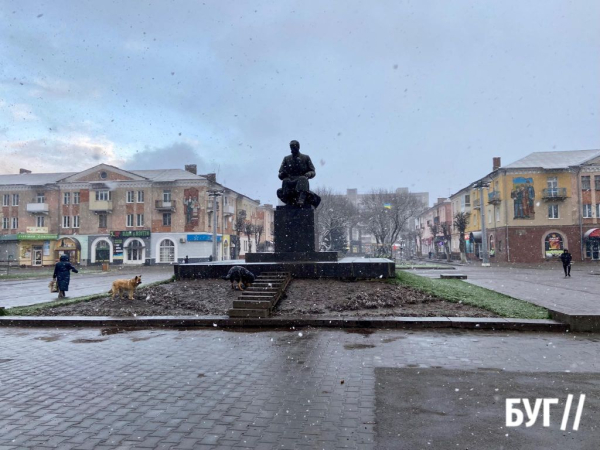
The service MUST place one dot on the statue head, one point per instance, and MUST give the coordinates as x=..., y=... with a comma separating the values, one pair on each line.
x=295, y=147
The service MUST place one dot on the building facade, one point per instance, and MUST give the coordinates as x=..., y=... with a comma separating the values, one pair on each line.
x=109, y=215
x=536, y=207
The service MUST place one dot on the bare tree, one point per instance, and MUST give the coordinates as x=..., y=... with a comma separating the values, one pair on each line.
x=446, y=229
x=461, y=221
x=386, y=215
x=434, y=228
x=248, y=230
x=334, y=217
x=238, y=226
x=258, y=231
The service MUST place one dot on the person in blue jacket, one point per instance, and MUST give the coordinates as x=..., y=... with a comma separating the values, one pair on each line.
x=62, y=274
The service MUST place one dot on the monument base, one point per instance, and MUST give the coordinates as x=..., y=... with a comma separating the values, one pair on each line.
x=291, y=256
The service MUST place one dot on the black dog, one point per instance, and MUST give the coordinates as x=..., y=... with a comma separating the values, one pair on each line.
x=241, y=275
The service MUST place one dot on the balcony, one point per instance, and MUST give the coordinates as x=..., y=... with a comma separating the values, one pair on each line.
x=494, y=197
x=554, y=194
x=37, y=208
x=476, y=203
x=229, y=210
x=161, y=205
x=101, y=205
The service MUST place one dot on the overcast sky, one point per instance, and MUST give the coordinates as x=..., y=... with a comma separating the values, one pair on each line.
x=380, y=94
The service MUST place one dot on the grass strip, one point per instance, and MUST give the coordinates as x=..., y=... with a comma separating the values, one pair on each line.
x=33, y=309
x=458, y=291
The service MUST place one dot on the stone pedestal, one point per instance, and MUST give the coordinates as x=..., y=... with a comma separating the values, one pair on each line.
x=294, y=238
x=294, y=229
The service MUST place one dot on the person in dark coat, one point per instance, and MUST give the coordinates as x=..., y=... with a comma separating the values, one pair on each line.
x=62, y=274
x=566, y=258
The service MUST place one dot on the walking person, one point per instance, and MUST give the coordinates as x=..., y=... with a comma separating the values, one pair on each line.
x=62, y=274
x=566, y=258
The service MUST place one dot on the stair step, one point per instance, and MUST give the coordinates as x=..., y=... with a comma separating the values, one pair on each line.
x=249, y=313
x=256, y=297
x=252, y=304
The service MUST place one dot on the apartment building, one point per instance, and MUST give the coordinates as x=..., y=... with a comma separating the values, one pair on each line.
x=535, y=207
x=440, y=213
x=107, y=214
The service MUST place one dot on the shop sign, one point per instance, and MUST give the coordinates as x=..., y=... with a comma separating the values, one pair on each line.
x=36, y=230
x=117, y=247
x=130, y=233
x=36, y=237
x=201, y=238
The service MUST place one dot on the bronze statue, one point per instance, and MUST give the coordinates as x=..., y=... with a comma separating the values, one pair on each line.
x=295, y=171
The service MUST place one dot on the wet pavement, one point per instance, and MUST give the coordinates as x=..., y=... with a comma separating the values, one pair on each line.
x=23, y=292
x=314, y=389
x=578, y=294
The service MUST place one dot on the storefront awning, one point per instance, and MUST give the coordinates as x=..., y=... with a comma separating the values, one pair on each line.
x=592, y=233
x=475, y=236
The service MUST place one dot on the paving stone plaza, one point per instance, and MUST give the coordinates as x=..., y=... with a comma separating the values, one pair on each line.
x=314, y=389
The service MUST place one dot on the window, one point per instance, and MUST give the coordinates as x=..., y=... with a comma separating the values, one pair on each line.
x=467, y=199
x=497, y=215
x=129, y=220
x=135, y=250
x=15, y=223
x=15, y=200
x=140, y=220
x=40, y=197
x=167, y=219
x=552, y=183
x=585, y=183
x=5, y=223
x=553, y=245
x=597, y=182
x=39, y=222
x=140, y=196
x=167, y=251
x=103, y=195
x=75, y=221
x=130, y=196
x=553, y=211
x=66, y=222
x=167, y=196
x=101, y=220
x=5, y=199
x=489, y=217
x=500, y=245
x=587, y=211
x=103, y=251
x=76, y=198
x=66, y=198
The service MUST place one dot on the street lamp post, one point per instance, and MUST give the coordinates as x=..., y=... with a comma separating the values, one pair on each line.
x=484, y=248
x=214, y=193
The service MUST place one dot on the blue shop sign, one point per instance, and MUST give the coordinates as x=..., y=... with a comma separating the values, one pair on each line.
x=201, y=238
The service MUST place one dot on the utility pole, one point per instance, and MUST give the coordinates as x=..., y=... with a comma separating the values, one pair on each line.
x=214, y=193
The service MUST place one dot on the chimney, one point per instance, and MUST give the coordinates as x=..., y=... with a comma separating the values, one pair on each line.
x=497, y=164
x=24, y=171
x=212, y=177
x=191, y=168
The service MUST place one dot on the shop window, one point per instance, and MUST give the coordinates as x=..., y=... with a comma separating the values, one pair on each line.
x=102, y=251
x=167, y=251
x=553, y=245
x=135, y=250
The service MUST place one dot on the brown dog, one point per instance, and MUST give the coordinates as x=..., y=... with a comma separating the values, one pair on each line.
x=119, y=286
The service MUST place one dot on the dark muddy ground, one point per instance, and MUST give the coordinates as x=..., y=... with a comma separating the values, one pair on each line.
x=304, y=298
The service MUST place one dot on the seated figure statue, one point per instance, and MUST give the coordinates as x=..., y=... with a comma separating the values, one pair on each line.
x=295, y=171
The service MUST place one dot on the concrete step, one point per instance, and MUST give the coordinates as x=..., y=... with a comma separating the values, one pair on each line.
x=249, y=313
x=453, y=276
x=266, y=290
x=252, y=304
x=256, y=297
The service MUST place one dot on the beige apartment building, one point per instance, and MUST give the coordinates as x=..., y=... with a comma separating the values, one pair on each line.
x=109, y=215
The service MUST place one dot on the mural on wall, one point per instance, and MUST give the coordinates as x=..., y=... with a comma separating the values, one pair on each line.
x=192, y=208
x=523, y=195
x=554, y=245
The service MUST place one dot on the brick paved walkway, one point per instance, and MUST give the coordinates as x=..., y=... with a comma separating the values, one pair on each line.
x=209, y=389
